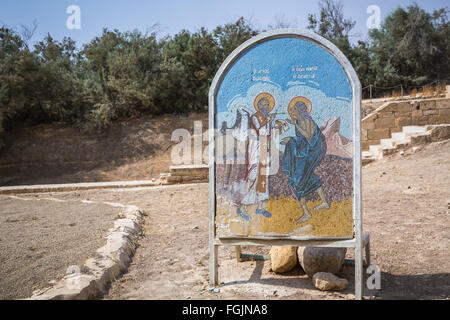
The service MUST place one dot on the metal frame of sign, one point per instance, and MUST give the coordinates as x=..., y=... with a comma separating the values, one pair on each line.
x=358, y=242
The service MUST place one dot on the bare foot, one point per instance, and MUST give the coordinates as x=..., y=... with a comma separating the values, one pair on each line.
x=305, y=217
x=322, y=206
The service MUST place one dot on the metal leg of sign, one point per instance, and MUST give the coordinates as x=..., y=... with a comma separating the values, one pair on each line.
x=238, y=253
x=213, y=264
x=368, y=252
x=358, y=270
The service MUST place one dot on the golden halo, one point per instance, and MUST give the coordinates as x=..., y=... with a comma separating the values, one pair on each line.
x=266, y=95
x=294, y=100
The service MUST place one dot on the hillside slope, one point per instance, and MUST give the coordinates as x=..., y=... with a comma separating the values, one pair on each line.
x=129, y=150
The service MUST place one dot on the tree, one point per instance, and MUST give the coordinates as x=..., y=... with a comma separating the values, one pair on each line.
x=331, y=24
x=335, y=27
x=412, y=47
x=231, y=35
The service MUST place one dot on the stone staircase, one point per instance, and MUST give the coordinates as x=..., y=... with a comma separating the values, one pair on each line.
x=409, y=136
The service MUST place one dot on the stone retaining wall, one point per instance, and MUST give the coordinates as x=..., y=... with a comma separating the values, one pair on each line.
x=186, y=174
x=393, y=116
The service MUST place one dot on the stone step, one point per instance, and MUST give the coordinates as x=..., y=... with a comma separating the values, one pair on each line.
x=409, y=136
x=376, y=151
x=414, y=129
x=387, y=150
x=366, y=154
x=401, y=145
x=420, y=138
x=401, y=140
x=367, y=157
x=387, y=143
x=399, y=137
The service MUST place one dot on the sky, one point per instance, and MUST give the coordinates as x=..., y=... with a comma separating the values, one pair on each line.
x=175, y=15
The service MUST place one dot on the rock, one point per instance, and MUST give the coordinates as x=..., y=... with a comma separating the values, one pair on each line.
x=112, y=260
x=313, y=259
x=337, y=144
x=283, y=259
x=326, y=281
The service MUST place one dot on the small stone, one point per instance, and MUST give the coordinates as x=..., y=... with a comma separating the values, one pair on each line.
x=326, y=281
x=402, y=153
x=283, y=259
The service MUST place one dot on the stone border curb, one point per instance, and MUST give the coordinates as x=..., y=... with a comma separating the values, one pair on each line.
x=112, y=260
x=39, y=188
x=177, y=175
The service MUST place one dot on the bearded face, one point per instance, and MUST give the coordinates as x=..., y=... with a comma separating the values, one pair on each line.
x=263, y=106
x=300, y=111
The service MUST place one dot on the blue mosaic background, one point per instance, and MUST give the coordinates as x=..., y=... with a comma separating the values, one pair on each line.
x=287, y=67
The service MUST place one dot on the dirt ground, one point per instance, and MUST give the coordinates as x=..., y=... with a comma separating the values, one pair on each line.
x=40, y=237
x=405, y=209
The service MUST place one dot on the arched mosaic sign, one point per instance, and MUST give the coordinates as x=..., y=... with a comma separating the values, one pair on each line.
x=285, y=155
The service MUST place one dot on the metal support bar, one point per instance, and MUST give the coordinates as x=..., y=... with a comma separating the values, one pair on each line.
x=241, y=257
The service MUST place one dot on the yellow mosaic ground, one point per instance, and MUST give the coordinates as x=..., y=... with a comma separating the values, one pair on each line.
x=334, y=222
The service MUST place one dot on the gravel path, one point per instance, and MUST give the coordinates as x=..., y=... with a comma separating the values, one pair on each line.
x=40, y=239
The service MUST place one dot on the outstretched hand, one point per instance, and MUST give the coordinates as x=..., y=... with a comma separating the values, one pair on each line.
x=284, y=141
x=271, y=117
x=291, y=121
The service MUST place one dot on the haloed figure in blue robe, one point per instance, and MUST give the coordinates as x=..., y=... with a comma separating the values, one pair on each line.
x=302, y=155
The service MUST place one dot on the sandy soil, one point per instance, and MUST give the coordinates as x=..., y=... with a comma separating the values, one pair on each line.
x=40, y=238
x=405, y=210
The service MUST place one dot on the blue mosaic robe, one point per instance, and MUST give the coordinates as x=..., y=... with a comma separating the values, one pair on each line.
x=300, y=159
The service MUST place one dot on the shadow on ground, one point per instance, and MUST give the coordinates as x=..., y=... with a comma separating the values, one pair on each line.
x=393, y=287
